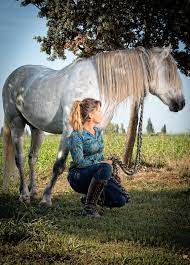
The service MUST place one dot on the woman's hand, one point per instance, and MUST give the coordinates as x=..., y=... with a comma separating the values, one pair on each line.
x=109, y=161
x=118, y=178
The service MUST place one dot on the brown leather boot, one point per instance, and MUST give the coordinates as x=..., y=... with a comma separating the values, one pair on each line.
x=99, y=202
x=94, y=190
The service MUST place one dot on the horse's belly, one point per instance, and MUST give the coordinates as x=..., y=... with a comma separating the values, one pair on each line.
x=43, y=117
x=47, y=124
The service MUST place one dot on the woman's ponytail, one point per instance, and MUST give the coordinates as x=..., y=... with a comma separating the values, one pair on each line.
x=80, y=112
x=75, y=116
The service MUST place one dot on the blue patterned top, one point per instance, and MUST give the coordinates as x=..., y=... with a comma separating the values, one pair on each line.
x=86, y=149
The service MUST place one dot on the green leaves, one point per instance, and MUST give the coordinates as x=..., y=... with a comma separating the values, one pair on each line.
x=115, y=25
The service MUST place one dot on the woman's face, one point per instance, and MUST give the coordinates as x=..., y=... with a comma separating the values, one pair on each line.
x=96, y=115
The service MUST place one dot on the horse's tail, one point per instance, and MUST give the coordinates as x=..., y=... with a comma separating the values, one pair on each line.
x=9, y=165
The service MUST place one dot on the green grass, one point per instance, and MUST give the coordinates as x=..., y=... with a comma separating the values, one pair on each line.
x=154, y=228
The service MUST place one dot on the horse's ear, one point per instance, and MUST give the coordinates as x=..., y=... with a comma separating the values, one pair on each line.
x=165, y=52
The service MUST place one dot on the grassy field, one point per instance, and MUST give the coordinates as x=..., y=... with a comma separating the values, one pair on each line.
x=154, y=228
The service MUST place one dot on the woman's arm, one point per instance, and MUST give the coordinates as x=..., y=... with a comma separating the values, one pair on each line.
x=76, y=150
x=102, y=144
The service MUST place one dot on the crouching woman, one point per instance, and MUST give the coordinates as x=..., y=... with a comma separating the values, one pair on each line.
x=89, y=173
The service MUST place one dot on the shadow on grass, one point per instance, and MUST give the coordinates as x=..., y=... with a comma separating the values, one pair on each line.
x=151, y=219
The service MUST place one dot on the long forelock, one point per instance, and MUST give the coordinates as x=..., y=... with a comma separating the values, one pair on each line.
x=171, y=73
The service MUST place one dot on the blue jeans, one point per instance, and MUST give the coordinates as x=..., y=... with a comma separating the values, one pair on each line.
x=80, y=179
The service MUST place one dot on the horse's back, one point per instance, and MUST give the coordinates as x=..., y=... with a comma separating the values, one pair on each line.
x=17, y=82
x=21, y=76
x=41, y=95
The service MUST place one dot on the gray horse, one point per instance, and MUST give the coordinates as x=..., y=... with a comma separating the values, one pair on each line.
x=42, y=98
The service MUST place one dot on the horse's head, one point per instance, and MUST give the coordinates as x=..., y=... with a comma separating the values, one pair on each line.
x=165, y=80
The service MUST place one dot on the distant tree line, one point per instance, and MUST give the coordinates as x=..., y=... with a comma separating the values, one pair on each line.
x=116, y=128
x=150, y=128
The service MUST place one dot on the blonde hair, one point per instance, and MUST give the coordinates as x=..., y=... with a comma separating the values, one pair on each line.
x=80, y=112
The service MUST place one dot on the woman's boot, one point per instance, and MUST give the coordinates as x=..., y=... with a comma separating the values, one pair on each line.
x=99, y=202
x=94, y=190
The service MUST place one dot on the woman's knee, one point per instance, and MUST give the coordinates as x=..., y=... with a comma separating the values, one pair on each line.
x=105, y=171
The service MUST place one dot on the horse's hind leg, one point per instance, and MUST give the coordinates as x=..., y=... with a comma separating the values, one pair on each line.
x=36, y=141
x=58, y=169
x=17, y=131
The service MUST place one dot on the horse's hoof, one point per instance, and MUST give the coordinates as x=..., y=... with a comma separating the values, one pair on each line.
x=24, y=198
x=46, y=201
x=33, y=194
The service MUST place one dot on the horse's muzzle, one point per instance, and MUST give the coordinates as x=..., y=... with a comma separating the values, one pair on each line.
x=177, y=105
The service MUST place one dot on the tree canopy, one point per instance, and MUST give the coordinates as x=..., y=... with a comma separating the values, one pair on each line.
x=87, y=27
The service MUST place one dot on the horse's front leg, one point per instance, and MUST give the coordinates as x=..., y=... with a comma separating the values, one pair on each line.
x=58, y=169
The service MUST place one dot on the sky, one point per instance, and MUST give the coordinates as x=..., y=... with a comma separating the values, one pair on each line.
x=18, y=26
